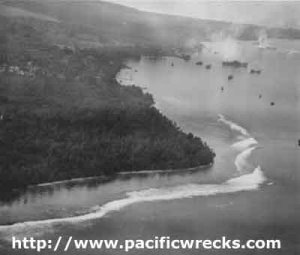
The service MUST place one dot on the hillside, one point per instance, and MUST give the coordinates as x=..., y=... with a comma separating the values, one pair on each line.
x=97, y=23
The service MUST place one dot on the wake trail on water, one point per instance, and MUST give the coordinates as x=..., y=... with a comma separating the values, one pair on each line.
x=246, y=144
x=233, y=125
x=241, y=160
x=246, y=182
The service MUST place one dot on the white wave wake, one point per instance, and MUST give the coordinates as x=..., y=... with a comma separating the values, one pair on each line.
x=245, y=182
x=242, y=183
x=233, y=125
x=246, y=145
x=241, y=160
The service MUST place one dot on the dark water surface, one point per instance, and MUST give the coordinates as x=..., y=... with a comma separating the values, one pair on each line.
x=252, y=190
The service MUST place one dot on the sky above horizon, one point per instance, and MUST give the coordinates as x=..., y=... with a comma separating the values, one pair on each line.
x=271, y=13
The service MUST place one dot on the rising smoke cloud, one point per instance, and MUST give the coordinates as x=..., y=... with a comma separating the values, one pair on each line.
x=227, y=46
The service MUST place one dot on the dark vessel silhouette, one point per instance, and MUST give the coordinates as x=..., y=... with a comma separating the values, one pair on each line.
x=186, y=57
x=254, y=71
x=235, y=63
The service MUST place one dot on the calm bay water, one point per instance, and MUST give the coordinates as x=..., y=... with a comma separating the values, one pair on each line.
x=252, y=190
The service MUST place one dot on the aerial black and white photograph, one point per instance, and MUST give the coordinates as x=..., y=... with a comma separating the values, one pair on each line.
x=149, y=127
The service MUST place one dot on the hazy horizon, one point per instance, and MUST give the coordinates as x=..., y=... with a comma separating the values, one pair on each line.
x=268, y=13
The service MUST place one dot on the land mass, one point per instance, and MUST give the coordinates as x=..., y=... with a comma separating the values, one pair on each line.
x=62, y=113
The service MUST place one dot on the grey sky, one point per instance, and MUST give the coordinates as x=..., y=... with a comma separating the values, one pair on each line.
x=271, y=13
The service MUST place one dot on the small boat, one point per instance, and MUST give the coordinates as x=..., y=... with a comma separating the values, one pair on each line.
x=186, y=57
x=235, y=63
x=208, y=66
x=253, y=71
x=230, y=77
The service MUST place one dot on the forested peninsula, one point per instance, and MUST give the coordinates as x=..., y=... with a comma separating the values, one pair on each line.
x=63, y=115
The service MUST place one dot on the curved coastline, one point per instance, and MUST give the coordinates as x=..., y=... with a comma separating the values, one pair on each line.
x=121, y=173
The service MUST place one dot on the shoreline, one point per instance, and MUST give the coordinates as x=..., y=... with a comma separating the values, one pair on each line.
x=107, y=178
